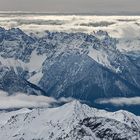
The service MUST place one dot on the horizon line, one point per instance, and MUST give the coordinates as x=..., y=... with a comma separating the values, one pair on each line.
x=120, y=13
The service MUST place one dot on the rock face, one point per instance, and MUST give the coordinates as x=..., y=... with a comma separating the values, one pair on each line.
x=12, y=83
x=71, y=121
x=59, y=64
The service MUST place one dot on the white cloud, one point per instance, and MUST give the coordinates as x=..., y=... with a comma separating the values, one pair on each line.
x=21, y=100
x=3, y=94
x=65, y=100
x=120, y=101
x=118, y=26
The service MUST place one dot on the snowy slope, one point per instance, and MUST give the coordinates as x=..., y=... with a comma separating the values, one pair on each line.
x=71, y=121
x=5, y=116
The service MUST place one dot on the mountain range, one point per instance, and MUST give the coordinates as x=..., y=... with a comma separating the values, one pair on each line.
x=83, y=66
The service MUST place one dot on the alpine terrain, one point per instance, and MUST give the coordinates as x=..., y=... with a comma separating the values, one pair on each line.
x=72, y=121
x=83, y=67
x=59, y=64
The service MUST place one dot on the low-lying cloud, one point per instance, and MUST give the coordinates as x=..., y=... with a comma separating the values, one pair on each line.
x=97, y=24
x=120, y=101
x=20, y=100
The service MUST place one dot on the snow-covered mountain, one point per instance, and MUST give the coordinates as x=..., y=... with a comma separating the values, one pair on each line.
x=60, y=64
x=71, y=121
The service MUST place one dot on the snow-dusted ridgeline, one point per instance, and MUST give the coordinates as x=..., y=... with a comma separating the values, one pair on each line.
x=71, y=121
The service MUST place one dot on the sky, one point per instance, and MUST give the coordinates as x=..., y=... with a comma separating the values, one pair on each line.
x=73, y=6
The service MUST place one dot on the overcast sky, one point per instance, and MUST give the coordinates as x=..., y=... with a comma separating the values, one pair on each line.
x=72, y=6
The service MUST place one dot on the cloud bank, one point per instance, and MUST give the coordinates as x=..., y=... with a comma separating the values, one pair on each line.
x=20, y=100
x=120, y=101
x=116, y=26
